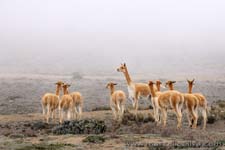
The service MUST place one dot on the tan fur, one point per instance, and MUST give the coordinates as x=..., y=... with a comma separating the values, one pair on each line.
x=170, y=85
x=117, y=101
x=191, y=105
x=201, y=100
x=136, y=90
x=66, y=104
x=50, y=101
x=78, y=104
x=154, y=97
x=167, y=100
x=158, y=85
x=171, y=100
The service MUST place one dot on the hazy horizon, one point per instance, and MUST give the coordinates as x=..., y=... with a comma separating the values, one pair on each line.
x=52, y=36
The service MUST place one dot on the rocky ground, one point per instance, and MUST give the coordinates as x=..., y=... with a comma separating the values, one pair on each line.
x=28, y=131
x=22, y=126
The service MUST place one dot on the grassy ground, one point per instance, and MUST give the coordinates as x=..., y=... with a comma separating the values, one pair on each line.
x=135, y=135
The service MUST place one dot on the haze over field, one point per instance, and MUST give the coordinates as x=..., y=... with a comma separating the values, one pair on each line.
x=52, y=36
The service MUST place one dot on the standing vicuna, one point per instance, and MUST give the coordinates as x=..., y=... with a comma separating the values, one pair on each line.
x=154, y=98
x=66, y=104
x=135, y=90
x=78, y=104
x=202, y=101
x=117, y=101
x=191, y=105
x=167, y=100
x=50, y=101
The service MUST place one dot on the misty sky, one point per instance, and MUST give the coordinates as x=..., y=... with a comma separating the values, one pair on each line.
x=96, y=35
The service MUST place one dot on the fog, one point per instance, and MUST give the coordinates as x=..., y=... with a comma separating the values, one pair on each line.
x=95, y=36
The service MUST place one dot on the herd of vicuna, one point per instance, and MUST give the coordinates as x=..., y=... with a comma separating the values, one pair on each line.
x=71, y=104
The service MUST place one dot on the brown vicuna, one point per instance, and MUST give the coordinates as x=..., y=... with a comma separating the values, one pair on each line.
x=135, y=90
x=191, y=105
x=50, y=102
x=202, y=102
x=78, y=104
x=154, y=97
x=167, y=100
x=117, y=101
x=66, y=104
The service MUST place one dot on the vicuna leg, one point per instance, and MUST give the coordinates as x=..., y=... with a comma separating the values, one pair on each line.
x=122, y=109
x=195, y=117
x=188, y=118
x=76, y=112
x=53, y=113
x=61, y=114
x=133, y=102
x=156, y=116
x=114, y=112
x=164, y=114
x=43, y=109
x=80, y=111
x=179, y=116
x=154, y=109
x=48, y=113
x=204, y=115
x=44, y=112
x=136, y=106
x=69, y=114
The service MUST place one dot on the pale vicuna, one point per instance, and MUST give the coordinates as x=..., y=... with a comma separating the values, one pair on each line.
x=135, y=90
x=202, y=102
x=168, y=100
x=117, y=101
x=66, y=104
x=78, y=104
x=50, y=102
x=191, y=105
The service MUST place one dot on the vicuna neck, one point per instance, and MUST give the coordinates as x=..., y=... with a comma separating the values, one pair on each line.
x=127, y=76
x=65, y=91
x=112, y=89
x=152, y=90
x=57, y=91
x=171, y=87
x=190, y=88
x=158, y=87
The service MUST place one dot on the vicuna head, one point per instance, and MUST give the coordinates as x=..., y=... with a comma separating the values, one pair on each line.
x=65, y=88
x=151, y=84
x=122, y=68
x=59, y=84
x=111, y=86
x=190, y=85
x=170, y=84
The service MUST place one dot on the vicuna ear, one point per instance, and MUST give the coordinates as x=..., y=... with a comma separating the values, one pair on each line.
x=114, y=83
x=124, y=64
x=188, y=80
x=193, y=80
x=173, y=81
x=68, y=85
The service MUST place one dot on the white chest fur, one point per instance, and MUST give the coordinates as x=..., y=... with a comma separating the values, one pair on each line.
x=131, y=91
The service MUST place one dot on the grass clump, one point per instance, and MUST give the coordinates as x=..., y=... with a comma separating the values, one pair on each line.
x=43, y=146
x=94, y=139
